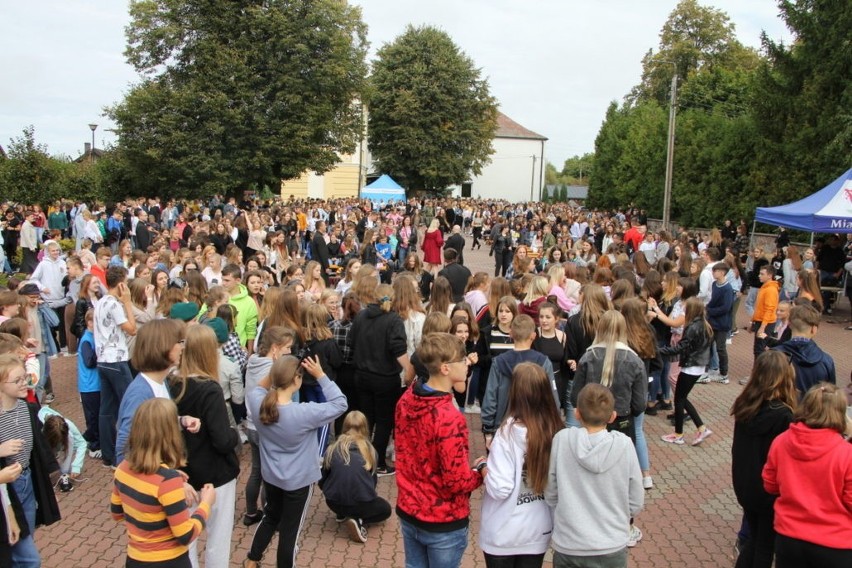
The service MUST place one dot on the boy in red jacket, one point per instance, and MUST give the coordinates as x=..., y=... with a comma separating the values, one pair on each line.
x=433, y=477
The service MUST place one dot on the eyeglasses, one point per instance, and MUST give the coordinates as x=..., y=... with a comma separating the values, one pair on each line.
x=20, y=382
x=464, y=360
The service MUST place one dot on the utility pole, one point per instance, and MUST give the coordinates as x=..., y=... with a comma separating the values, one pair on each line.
x=532, y=179
x=667, y=192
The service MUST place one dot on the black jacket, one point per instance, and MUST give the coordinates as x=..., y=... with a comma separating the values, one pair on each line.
x=458, y=276
x=456, y=241
x=378, y=339
x=5, y=550
x=319, y=253
x=749, y=450
x=694, y=346
x=42, y=464
x=211, y=453
x=349, y=484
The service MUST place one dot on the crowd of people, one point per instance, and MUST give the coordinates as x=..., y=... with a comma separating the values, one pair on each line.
x=343, y=341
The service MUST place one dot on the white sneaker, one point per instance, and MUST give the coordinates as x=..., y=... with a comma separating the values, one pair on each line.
x=647, y=482
x=473, y=409
x=729, y=341
x=703, y=379
x=95, y=454
x=721, y=379
x=243, y=437
x=635, y=536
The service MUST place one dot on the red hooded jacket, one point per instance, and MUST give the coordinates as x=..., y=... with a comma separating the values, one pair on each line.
x=433, y=473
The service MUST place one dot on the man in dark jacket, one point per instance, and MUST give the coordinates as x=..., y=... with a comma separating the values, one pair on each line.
x=319, y=249
x=456, y=242
x=811, y=363
x=144, y=236
x=457, y=274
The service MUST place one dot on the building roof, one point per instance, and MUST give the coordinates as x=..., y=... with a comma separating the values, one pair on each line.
x=508, y=128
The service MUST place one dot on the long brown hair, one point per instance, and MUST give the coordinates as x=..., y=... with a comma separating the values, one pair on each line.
x=640, y=334
x=531, y=404
x=593, y=306
x=693, y=309
x=155, y=437
x=282, y=374
x=200, y=357
x=406, y=296
x=772, y=379
x=499, y=289
x=287, y=312
x=315, y=322
x=441, y=296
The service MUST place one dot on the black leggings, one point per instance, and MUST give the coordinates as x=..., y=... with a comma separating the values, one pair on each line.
x=795, y=553
x=285, y=512
x=181, y=561
x=758, y=549
x=684, y=386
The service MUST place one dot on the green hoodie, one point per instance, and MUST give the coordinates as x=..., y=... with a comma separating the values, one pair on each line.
x=246, y=323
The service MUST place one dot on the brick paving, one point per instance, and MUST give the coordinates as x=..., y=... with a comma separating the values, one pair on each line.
x=690, y=515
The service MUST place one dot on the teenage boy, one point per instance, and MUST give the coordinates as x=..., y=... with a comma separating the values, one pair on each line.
x=499, y=379
x=434, y=480
x=719, y=316
x=114, y=325
x=245, y=324
x=50, y=274
x=765, y=307
x=812, y=364
x=594, y=486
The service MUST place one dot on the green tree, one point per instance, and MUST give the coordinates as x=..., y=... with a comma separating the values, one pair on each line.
x=432, y=118
x=693, y=37
x=239, y=94
x=577, y=169
x=803, y=102
x=29, y=174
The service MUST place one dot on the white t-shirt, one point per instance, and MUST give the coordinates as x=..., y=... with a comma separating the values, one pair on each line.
x=160, y=389
x=110, y=339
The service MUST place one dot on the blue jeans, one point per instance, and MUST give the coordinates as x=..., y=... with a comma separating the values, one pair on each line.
x=115, y=378
x=751, y=300
x=641, y=443
x=24, y=553
x=424, y=549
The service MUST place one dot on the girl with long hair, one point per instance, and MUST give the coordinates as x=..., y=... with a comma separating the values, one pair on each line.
x=148, y=491
x=277, y=341
x=499, y=289
x=808, y=469
x=349, y=478
x=790, y=268
x=477, y=351
x=476, y=293
x=809, y=288
x=211, y=456
x=498, y=338
x=91, y=291
x=380, y=354
x=610, y=362
x=551, y=342
x=341, y=328
x=406, y=303
x=345, y=283
x=313, y=282
x=289, y=447
x=433, y=242
x=762, y=411
x=642, y=339
x=423, y=277
x=441, y=299
x=535, y=296
x=516, y=522
x=694, y=353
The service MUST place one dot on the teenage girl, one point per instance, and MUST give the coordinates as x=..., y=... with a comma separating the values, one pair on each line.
x=808, y=468
x=460, y=327
x=498, y=338
x=349, y=478
x=148, y=491
x=516, y=521
x=551, y=342
x=211, y=456
x=289, y=447
x=762, y=411
x=694, y=352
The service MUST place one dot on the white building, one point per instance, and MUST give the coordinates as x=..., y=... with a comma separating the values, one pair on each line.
x=516, y=171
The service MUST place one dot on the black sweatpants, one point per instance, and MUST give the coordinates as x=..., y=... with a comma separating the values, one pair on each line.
x=285, y=512
x=795, y=553
x=684, y=386
x=370, y=512
x=759, y=547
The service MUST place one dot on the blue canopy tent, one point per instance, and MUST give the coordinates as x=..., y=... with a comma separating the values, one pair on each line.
x=829, y=210
x=384, y=190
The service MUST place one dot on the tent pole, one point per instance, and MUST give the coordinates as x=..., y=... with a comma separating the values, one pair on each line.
x=751, y=237
x=812, y=239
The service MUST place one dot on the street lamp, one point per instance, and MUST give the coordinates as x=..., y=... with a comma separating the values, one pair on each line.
x=670, y=143
x=93, y=127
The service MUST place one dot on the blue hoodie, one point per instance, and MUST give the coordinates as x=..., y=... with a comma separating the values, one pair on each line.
x=496, y=399
x=812, y=364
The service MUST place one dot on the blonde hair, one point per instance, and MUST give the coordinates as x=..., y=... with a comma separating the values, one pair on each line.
x=355, y=431
x=384, y=297
x=315, y=322
x=9, y=361
x=611, y=329
x=268, y=303
x=155, y=437
x=538, y=288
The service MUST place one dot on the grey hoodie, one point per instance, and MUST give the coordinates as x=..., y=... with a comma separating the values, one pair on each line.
x=594, y=487
x=256, y=368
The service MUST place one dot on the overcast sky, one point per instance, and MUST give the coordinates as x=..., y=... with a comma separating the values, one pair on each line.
x=554, y=65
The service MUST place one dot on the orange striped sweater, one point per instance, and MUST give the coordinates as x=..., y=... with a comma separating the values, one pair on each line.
x=153, y=507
